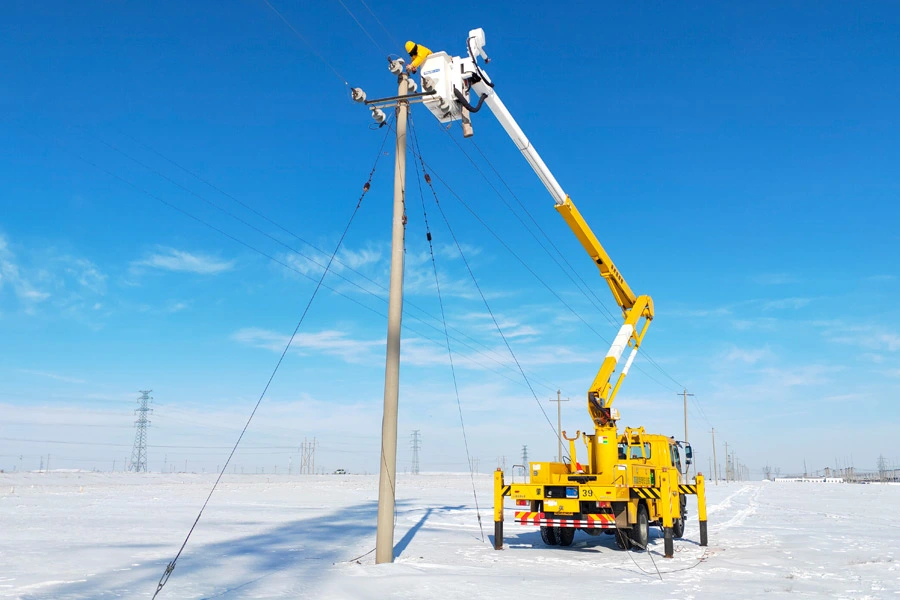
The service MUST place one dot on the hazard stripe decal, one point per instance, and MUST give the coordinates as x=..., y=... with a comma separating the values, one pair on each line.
x=587, y=522
x=505, y=491
x=649, y=493
x=687, y=489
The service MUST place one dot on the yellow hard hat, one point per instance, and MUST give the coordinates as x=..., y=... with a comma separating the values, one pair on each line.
x=410, y=46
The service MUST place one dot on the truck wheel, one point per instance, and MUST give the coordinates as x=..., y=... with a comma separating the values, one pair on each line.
x=565, y=535
x=640, y=532
x=548, y=535
x=678, y=528
x=678, y=524
x=623, y=541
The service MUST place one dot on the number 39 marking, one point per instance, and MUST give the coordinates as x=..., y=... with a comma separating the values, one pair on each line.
x=587, y=492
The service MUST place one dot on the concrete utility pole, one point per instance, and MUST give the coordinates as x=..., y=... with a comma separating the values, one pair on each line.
x=559, y=400
x=715, y=463
x=726, y=462
x=384, y=536
x=685, y=395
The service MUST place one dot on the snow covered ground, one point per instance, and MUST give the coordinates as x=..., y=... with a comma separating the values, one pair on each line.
x=96, y=535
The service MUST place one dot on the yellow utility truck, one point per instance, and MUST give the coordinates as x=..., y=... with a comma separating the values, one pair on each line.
x=617, y=483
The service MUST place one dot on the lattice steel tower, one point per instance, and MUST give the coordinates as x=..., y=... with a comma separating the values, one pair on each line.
x=415, y=442
x=139, y=453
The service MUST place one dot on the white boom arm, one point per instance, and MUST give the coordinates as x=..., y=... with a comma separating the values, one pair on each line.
x=451, y=78
x=448, y=81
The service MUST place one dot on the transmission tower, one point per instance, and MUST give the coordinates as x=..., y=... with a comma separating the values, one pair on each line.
x=415, y=442
x=139, y=452
x=525, y=456
x=308, y=457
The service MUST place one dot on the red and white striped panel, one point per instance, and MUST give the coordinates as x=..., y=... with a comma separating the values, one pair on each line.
x=587, y=522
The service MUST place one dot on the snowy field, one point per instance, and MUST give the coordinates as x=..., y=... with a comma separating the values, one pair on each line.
x=94, y=535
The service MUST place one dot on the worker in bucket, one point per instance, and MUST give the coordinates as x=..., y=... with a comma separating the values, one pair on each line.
x=418, y=53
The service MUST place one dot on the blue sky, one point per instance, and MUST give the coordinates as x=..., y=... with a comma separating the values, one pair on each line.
x=738, y=162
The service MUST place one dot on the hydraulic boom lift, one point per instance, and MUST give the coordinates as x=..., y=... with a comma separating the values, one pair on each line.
x=627, y=481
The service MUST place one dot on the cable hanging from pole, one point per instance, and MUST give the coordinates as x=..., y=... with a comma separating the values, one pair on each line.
x=478, y=287
x=437, y=285
x=171, y=566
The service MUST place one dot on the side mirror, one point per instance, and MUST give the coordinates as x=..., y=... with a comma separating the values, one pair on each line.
x=688, y=454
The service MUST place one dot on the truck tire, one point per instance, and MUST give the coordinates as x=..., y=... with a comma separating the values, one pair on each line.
x=623, y=540
x=640, y=532
x=678, y=528
x=678, y=524
x=548, y=535
x=565, y=535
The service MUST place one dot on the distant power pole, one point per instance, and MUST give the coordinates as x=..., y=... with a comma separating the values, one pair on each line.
x=559, y=400
x=415, y=441
x=525, y=456
x=139, y=452
x=715, y=462
x=726, y=462
x=685, y=395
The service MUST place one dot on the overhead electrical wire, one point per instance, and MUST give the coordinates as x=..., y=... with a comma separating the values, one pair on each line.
x=309, y=45
x=299, y=238
x=352, y=16
x=596, y=300
x=171, y=566
x=295, y=270
x=529, y=269
x=437, y=285
x=483, y=297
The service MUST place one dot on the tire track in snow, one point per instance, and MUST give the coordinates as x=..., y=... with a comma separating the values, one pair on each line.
x=741, y=515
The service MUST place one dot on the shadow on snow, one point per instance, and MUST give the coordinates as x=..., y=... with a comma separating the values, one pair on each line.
x=302, y=549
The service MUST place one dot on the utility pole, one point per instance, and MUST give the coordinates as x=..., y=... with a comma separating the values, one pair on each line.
x=416, y=439
x=559, y=400
x=715, y=463
x=139, y=452
x=384, y=535
x=726, y=462
x=525, y=456
x=685, y=395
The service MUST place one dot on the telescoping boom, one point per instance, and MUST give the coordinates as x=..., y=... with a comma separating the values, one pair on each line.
x=627, y=481
x=452, y=79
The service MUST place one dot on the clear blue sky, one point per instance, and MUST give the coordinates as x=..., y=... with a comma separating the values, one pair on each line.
x=738, y=161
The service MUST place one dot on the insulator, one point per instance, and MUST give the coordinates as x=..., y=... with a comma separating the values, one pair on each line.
x=358, y=94
x=411, y=85
x=396, y=66
x=379, y=115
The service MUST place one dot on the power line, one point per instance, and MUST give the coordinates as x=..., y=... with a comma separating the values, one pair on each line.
x=595, y=301
x=352, y=16
x=530, y=270
x=377, y=20
x=171, y=566
x=292, y=249
x=481, y=293
x=305, y=41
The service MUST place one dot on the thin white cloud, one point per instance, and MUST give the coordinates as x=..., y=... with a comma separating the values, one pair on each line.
x=748, y=356
x=11, y=274
x=786, y=303
x=328, y=342
x=52, y=376
x=804, y=375
x=171, y=259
